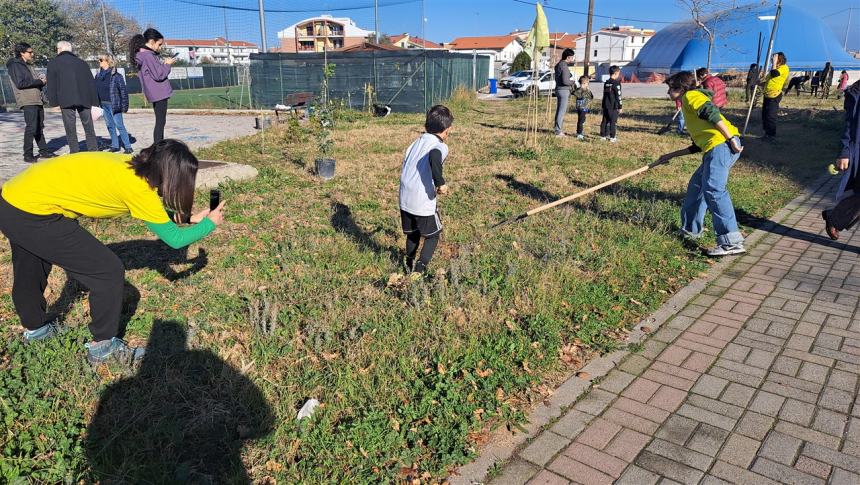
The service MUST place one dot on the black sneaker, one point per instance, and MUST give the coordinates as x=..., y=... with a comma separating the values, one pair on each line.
x=128, y=151
x=30, y=159
x=47, y=154
x=113, y=150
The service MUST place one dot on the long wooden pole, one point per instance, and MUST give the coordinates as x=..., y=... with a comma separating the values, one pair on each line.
x=582, y=193
x=767, y=61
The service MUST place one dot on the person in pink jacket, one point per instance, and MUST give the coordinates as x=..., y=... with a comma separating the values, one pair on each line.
x=143, y=54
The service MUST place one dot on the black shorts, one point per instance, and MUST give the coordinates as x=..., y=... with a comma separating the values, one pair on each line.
x=428, y=226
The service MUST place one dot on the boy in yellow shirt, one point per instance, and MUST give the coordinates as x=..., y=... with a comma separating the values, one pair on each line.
x=718, y=139
x=773, y=85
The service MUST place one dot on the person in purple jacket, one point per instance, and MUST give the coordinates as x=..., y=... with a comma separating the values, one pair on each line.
x=153, y=72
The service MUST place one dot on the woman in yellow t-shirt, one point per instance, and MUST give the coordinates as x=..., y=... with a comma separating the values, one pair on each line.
x=718, y=140
x=773, y=84
x=38, y=214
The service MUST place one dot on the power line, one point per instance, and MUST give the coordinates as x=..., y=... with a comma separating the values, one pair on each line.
x=596, y=15
x=301, y=10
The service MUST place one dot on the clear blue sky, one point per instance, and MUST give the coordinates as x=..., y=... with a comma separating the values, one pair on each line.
x=446, y=19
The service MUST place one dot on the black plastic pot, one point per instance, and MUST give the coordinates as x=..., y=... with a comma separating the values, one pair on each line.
x=261, y=122
x=324, y=168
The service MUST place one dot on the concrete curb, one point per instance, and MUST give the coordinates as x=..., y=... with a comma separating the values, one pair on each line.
x=503, y=444
x=210, y=177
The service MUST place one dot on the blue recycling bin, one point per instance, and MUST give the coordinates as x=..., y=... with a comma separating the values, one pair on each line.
x=493, y=89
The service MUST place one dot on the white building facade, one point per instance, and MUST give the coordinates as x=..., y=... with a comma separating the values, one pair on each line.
x=615, y=45
x=216, y=51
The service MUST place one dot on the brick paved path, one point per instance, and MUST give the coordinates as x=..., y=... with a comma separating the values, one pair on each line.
x=755, y=381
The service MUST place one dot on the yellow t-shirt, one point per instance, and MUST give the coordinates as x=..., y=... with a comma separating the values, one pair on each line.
x=705, y=135
x=90, y=184
x=773, y=85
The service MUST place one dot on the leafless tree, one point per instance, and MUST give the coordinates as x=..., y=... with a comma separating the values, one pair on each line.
x=707, y=14
x=84, y=18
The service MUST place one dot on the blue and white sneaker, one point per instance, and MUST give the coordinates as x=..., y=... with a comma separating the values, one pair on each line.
x=44, y=332
x=114, y=349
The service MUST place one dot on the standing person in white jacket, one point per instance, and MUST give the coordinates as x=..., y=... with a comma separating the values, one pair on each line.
x=420, y=181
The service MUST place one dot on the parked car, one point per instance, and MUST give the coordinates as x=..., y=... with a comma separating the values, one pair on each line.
x=546, y=85
x=505, y=82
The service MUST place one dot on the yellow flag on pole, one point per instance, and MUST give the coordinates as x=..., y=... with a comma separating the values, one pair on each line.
x=538, y=38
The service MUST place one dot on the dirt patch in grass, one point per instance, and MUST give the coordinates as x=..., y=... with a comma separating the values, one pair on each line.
x=293, y=292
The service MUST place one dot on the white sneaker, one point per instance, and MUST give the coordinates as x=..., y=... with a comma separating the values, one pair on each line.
x=603, y=138
x=580, y=137
x=613, y=140
x=560, y=135
x=726, y=250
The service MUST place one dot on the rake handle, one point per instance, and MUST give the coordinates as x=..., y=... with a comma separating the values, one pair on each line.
x=593, y=189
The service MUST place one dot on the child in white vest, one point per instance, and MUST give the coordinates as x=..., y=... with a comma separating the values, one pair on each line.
x=420, y=181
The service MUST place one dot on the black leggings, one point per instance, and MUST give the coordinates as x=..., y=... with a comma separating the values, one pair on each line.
x=580, y=121
x=160, y=108
x=412, y=241
x=40, y=242
x=769, y=111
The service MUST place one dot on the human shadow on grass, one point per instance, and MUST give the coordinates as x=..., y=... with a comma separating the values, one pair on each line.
x=135, y=254
x=182, y=418
x=514, y=128
x=55, y=144
x=343, y=222
x=743, y=217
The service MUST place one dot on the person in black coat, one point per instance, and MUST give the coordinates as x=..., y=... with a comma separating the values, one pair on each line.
x=846, y=213
x=71, y=87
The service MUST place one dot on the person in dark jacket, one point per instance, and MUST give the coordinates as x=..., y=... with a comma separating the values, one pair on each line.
x=113, y=98
x=27, y=88
x=826, y=80
x=563, y=88
x=611, y=104
x=71, y=87
x=752, y=80
x=847, y=210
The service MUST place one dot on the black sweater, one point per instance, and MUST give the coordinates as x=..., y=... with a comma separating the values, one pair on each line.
x=611, y=94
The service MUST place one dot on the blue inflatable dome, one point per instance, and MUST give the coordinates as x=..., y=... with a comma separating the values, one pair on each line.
x=682, y=46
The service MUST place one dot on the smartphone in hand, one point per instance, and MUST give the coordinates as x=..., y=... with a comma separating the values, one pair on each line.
x=214, y=199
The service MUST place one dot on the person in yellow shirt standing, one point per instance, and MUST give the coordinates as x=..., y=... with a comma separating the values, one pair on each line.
x=718, y=139
x=773, y=85
x=39, y=209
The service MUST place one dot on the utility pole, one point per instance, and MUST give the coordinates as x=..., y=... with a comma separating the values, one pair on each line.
x=587, y=58
x=262, y=25
x=107, y=39
x=376, y=19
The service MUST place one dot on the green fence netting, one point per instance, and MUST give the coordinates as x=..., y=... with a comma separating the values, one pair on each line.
x=408, y=80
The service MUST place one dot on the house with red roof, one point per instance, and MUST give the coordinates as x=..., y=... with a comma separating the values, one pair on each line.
x=503, y=48
x=407, y=41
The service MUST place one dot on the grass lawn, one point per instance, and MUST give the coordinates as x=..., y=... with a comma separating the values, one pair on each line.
x=206, y=98
x=294, y=293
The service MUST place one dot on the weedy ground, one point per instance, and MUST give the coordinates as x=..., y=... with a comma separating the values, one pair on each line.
x=293, y=298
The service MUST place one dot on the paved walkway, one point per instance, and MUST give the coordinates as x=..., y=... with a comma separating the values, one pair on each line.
x=755, y=381
x=196, y=130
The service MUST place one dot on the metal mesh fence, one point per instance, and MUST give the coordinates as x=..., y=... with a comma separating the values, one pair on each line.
x=408, y=81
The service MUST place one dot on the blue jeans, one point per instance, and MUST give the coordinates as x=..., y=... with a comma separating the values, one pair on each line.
x=681, y=123
x=114, y=122
x=707, y=191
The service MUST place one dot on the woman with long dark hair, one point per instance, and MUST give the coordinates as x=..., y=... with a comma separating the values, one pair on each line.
x=38, y=214
x=143, y=54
